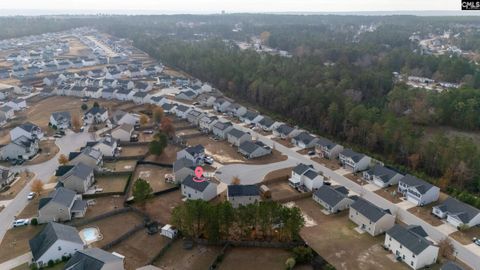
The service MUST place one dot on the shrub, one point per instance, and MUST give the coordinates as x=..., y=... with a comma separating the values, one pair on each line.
x=303, y=254
x=463, y=227
x=290, y=263
x=51, y=263
x=84, y=106
x=34, y=222
x=33, y=266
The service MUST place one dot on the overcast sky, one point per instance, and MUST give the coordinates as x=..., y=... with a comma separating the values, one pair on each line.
x=215, y=6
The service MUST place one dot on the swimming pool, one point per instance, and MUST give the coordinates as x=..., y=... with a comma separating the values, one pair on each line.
x=90, y=235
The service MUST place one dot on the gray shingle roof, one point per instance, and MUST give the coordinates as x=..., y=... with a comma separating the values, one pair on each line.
x=29, y=127
x=199, y=186
x=284, y=129
x=222, y=125
x=49, y=235
x=463, y=211
x=409, y=238
x=90, y=259
x=451, y=266
x=266, y=121
x=250, y=147
x=326, y=143
x=311, y=174
x=412, y=181
x=182, y=163
x=194, y=150
x=236, y=133
x=182, y=108
x=369, y=210
x=352, y=154
x=61, y=116
x=384, y=173
x=96, y=110
x=62, y=196
x=302, y=168
x=250, y=115
x=81, y=170
x=243, y=190
x=330, y=195
x=304, y=137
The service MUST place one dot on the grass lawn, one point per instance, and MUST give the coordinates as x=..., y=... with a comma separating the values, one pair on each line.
x=200, y=257
x=139, y=248
x=113, y=227
x=111, y=183
x=121, y=165
x=335, y=239
x=15, y=242
x=49, y=150
x=16, y=186
x=131, y=151
x=154, y=175
x=168, y=156
x=225, y=153
x=254, y=258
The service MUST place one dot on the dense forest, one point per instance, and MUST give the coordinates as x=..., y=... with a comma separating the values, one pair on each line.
x=355, y=101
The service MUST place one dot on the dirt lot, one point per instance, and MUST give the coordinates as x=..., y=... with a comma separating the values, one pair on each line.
x=160, y=208
x=139, y=248
x=285, y=143
x=154, y=175
x=15, y=242
x=356, y=178
x=335, y=240
x=254, y=258
x=16, y=186
x=465, y=237
x=225, y=153
x=331, y=164
x=121, y=165
x=111, y=183
x=176, y=258
x=4, y=136
x=168, y=156
x=131, y=151
x=103, y=205
x=425, y=213
x=25, y=266
x=113, y=227
x=285, y=173
x=49, y=150
x=390, y=193
x=77, y=48
x=281, y=190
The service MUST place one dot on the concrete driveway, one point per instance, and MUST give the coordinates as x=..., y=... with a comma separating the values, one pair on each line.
x=43, y=171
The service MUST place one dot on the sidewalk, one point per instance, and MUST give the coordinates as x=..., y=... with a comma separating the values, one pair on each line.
x=25, y=258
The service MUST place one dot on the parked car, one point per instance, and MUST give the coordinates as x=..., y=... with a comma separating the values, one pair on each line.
x=31, y=195
x=149, y=131
x=476, y=241
x=57, y=135
x=208, y=160
x=311, y=153
x=20, y=222
x=134, y=138
x=195, y=103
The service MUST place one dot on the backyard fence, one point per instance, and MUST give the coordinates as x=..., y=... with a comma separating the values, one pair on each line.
x=133, y=143
x=146, y=162
x=85, y=221
x=124, y=236
x=295, y=197
x=274, y=180
x=161, y=252
x=185, y=127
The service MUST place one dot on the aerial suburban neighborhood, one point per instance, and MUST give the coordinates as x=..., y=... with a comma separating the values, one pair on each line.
x=111, y=158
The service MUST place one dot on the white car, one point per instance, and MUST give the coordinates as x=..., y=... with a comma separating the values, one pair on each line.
x=208, y=160
x=31, y=195
x=20, y=222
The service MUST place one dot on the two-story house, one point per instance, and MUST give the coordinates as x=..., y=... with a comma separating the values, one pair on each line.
x=382, y=176
x=243, y=195
x=354, y=161
x=62, y=204
x=79, y=178
x=371, y=218
x=60, y=120
x=237, y=137
x=457, y=213
x=327, y=149
x=418, y=191
x=29, y=130
x=198, y=190
x=306, y=176
x=194, y=153
x=333, y=198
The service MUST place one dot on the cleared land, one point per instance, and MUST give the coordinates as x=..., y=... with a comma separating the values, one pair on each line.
x=390, y=193
x=121, y=165
x=154, y=175
x=160, y=207
x=111, y=183
x=15, y=242
x=331, y=164
x=132, y=151
x=254, y=258
x=103, y=205
x=200, y=257
x=168, y=156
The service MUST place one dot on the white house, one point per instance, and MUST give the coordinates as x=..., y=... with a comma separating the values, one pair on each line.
x=206, y=123
x=283, y=131
x=96, y=115
x=108, y=93
x=61, y=120
x=169, y=231
x=221, y=105
x=327, y=149
x=418, y=191
x=140, y=97
x=243, y=194
x=354, y=161
x=457, y=213
x=182, y=168
x=333, y=198
x=306, y=176
x=95, y=259
x=196, y=190
x=29, y=130
x=186, y=95
x=382, y=176
x=53, y=242
x=254, y=149
x=17, y=104
x=194, y=153
x=122, y=133
x=8, y=111
x=266, y=124
x=251, y=117
x=304, y=140
x=107, y=145
x=221, y=129
x=20, y=148
x=237, y=137
x=121, y=117
x=410, y=245
x=194, y=116
x=371, y=218
x=181, y=111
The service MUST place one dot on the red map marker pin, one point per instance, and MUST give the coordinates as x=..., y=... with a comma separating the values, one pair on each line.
x=199, y=172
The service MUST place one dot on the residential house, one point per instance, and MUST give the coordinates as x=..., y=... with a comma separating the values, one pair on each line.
x=221, y=129
x=206, y=100
x=79, y=178
x=251, y=117
x=283, y=131
x=194, y=116
x=254, y=149
x=237, y=137
x=159, y=100
x=196, y=190
x=96, y=115
x=304, y=140
x=77, y=91
x=382, y=176
x=354, y=161
x=266, y=124
x=93, y=92
x=194, y=153
x=169, y=108
x=28, y=130
x=3, y=119
x=89, y=156
x=108, y=93
x=121, y=117
x=327, y=149
x=236, y=109
x=7, y=111
x=17, y=104
x=243, y=194
x=182, y=168
x=20, y=148
x=457, y=213
x=371, y=218
x=181, y=111
x=186, y=95
x=54, y=242
x=221, y=105
x=333, y=198
x=206, y=123
x=60, y=120
x=123, y=132
x=418, y=191
x=60, y=205
x=140, y=97
x=107, y=146
x=304, y=175
x=94, y=259
x=6, y=177
x=123, y=94
x=449, y=265
x=411, y=245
